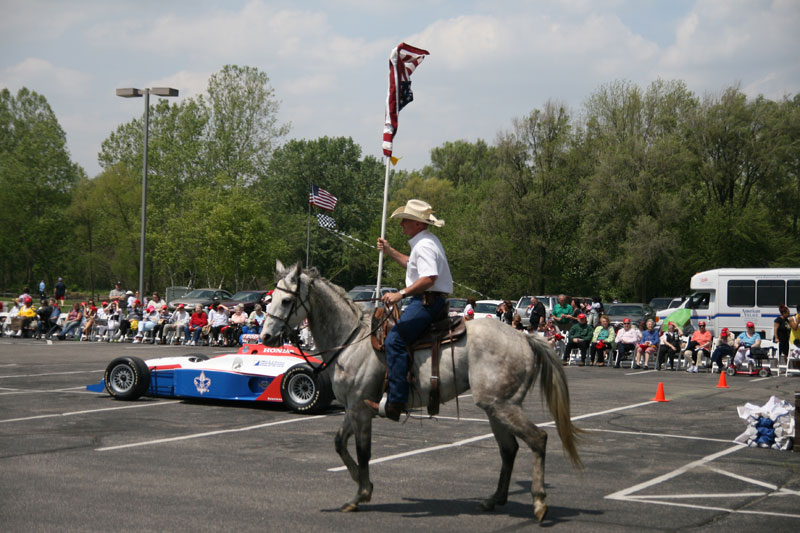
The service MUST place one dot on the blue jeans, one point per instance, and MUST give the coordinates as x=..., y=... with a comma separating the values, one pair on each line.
x=414, y=320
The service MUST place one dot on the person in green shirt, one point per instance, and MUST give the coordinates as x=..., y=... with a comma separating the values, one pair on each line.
x=580, y=334
x=562, y=313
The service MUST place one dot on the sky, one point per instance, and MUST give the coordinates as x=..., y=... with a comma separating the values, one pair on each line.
x=490, y=61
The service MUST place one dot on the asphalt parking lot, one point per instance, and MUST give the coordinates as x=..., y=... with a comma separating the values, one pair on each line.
x=71, y=460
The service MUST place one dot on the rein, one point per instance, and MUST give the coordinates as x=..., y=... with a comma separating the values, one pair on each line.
x=294, y=335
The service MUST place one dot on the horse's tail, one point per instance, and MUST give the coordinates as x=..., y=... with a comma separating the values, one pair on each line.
x=556, y=392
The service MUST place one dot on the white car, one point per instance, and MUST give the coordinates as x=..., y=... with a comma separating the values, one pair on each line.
x=487, y=309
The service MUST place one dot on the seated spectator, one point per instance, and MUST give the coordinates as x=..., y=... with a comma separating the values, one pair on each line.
x=43, y=317
x=194, y=328
x=159, y=337
x=516, y=322
x=113, y=313
x=177, y=322
x=74, y=319
x=131, y=322
x=670, y=346
x=130, y=299
x=648, y=345
x=626, y=340
x=218, y=320
x=89, y=314
x=562, y=313
x=699, y=344
x=156, y=301
x=747, y=340
x=602, y=342
x=148, y=323
x=793, y=359
x=505, y=312
x=236, y=325
x=24, y=317
x=551, y=333
x=580, y=335
x=255, y=321
x=724, y=349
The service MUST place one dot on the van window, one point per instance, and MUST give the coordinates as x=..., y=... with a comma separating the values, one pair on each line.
x=793, y=293
x=698, y=300
x=741, y=293
x=771, y=292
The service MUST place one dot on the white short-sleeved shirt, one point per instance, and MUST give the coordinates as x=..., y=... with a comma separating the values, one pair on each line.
x=427, y=258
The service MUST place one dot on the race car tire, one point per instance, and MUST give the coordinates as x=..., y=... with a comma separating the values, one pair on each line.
x=304, y=392
x=127, y=378
x=195, y=357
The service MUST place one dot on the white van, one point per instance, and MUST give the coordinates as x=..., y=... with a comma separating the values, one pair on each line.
x=732, y=297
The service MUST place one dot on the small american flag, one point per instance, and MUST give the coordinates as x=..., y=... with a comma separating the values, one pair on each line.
x=402, y=62
x=321, y=198
x=325, y=221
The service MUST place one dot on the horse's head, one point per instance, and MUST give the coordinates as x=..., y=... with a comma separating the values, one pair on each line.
x=290, y=303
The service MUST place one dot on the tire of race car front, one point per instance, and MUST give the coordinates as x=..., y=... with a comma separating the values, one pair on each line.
x=127, y=378
x=303, y=391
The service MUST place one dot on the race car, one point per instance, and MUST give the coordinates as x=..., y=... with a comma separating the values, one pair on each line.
x=256, y=373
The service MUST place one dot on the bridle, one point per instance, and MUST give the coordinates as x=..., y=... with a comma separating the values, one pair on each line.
x=294, y=335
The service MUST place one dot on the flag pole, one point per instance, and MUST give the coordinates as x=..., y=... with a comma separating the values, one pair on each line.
x=383, y=227
x=308, y=228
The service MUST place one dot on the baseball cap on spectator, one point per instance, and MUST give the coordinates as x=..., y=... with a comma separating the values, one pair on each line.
x=163, y=306
x=181, y=306
x=137, y=302
x=129, y=293
x=701, y=323
x=626, y=321
x=105, y=304
x=470, y=312
x=724, y=332
x=150, y=308
x=750, y=325
x=28, y=300
x=94, y=308
x=581, y=315
x=118, y=283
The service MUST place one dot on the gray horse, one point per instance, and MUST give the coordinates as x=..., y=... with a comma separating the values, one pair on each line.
x=496, y=362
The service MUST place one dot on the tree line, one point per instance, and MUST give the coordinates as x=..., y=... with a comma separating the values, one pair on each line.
x=626, y=197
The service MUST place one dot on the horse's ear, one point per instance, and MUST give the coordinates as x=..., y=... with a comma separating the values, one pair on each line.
x=279, y=266
x=296, y=271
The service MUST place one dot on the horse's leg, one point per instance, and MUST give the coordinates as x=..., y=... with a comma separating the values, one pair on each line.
x=508, y=452
x=341, y=440
x=513, y=417
x=361, y=422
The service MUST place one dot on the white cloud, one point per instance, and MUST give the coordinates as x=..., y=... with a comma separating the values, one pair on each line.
x=34, y=72
x=188, y=83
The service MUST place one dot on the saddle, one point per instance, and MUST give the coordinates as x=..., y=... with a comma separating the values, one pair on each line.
x=443, y=330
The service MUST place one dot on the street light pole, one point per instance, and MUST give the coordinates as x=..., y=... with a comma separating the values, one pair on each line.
x=135, y=93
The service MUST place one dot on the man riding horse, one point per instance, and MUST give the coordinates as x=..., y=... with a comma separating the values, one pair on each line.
x=428, y=283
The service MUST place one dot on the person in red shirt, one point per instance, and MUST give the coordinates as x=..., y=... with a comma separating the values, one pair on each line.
x=198, y=321
x=699, y=343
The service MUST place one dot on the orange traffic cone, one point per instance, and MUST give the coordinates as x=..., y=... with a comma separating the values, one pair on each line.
x=659, y=393
x=723, y=382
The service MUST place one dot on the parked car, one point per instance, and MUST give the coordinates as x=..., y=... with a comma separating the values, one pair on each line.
x=203, y=297
x=487, y=309
x=659, y=304
x=248, y=299
x=457, y=306
x=365, y=296
x=636, y=312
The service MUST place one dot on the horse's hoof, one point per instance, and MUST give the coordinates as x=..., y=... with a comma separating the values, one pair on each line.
x=539, y=510
x=349, y=507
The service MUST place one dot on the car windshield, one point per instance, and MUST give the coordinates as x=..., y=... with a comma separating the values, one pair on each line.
x=485, y=307
x=246, y=296
x=360, y=295
x=624, y=310
x=660, y=302
x=457, y=304
x=199, y=293
x=525, y=301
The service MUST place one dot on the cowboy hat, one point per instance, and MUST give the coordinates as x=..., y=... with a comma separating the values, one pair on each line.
x=419, y=211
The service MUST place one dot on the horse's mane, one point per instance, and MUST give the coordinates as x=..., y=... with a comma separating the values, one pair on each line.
x=314, y=274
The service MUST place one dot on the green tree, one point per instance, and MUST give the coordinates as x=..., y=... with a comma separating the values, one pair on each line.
x=36, y=177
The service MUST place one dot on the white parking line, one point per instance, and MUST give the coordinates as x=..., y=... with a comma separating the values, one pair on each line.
x=52, y=374
x=207, y=434
x=665, y=435
x=73, y=413
x=640, y=372
x=482, y=437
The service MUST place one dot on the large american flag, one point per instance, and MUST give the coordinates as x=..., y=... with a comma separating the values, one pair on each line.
x=321, y=198
x=402, y=62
